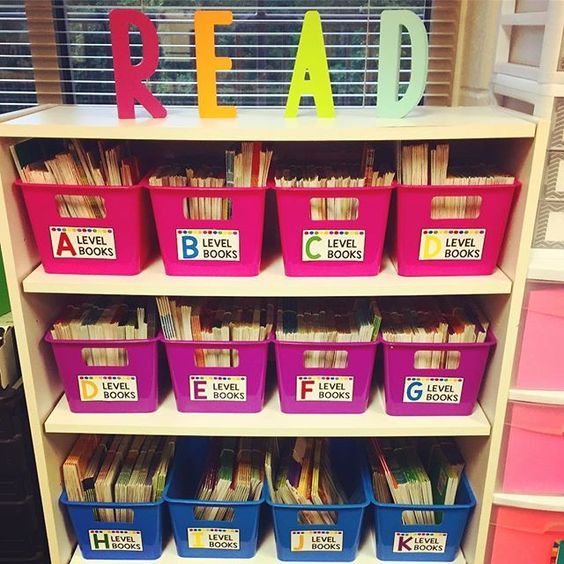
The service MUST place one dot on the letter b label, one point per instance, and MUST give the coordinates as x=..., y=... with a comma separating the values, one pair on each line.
x=189, y=247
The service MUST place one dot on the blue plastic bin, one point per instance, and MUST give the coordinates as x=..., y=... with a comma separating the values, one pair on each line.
x=140, y=540
x=426, y=543
x=220, y=539
x=333, y=543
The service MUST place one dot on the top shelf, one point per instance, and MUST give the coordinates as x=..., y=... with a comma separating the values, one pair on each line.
x=350, y=124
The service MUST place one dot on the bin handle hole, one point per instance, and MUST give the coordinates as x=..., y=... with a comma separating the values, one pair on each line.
x=408, y=516
x=216, y=358
x=326, y=359
x=81, y=206
x=456, y=207
x=213, y=513
x=317, y=517
x=436, y=360
x=118, y=515
x=105, y=356
x=329, y=209
x=197, y=207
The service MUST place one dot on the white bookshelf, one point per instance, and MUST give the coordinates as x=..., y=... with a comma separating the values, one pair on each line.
x=37, y=297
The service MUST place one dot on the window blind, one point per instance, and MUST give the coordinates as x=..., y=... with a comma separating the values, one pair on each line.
x=262, y=42
x=17, y=84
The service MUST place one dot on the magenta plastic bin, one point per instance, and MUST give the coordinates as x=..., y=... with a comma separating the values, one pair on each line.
x=119, y=243
x=332, y=247
x=426, y=391
x=534, y=459
x=132, y=388
x=209, y=247
x=209, y=389
x=450, y=247
x=324, y=390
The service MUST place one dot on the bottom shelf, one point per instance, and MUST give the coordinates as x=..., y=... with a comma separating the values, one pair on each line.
x=266, y=554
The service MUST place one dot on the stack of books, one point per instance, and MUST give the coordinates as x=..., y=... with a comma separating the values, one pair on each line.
x=248, y=168
x=193, y=319
x=410, y=472
x=234, y=472
x=76, y=162
x=106, y=320
x=328, y=321
x=118, y=469
x=433, y=320
x=299, y=472
x=344, y=176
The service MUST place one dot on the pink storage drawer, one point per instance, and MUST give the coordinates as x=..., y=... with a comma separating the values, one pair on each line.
x=541, y=364
x=524, y=536
x=119, y=243
x=209, y=247
x=427, y=246
x=332, y=247
x=535, y=449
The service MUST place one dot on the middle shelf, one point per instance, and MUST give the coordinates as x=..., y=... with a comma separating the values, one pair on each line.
x=269, y=422
x=270, y=282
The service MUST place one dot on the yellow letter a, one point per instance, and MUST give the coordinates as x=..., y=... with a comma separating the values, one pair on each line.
x=311, y=59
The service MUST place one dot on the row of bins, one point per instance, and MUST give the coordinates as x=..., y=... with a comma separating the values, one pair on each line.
x=22, y=534
x=122, y=241
x=295, y=541
x=303, y=388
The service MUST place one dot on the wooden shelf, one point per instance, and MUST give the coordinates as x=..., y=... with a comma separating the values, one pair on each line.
x=350, y=124
x=269, y=422
x=270, y=282
x=266, y=554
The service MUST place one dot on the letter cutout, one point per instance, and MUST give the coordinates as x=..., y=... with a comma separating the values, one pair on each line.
x=207, y=64
x=128, y=77
x=311, y=58
x=391, y=24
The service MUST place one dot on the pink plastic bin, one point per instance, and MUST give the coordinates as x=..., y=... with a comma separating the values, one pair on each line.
x=426, y=391
x=87, y=387
x=535, y=449
x=195, y=387
x=366, y=233
x=302, y=389
x=524, y=536
x=542, y=353
x=126, y=230
x=421, y=242
x=182, y=240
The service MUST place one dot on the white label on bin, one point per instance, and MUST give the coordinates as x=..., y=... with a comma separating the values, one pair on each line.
x=208, y=244
x=83, y=242
x=316, y=541
x=332, y=244
x=431, y=543
x=324, y=388
x=214, y=539
x=451, y=244
x=218, y=388
x=126, y=541
x=108, y=388
x=419, y=389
